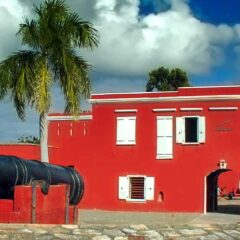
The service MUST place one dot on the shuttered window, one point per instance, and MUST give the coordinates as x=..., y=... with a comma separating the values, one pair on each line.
x=126, y=130
x=164, y=137
x=136, y=188
x=190, y=129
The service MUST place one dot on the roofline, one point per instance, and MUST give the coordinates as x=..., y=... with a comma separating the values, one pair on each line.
x=166, y=99
x=127, y=93
x=18, y=143
x=69, y=118
x=214, y=86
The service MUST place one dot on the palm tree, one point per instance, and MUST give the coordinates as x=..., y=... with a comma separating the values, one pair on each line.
x=51, y=40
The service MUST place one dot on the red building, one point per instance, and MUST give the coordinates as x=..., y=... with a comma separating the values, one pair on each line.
x=162, y=151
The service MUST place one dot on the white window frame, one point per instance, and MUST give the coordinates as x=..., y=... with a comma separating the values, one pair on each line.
x=129, y=136
x=124, y=188
x=162, y=135
x=180, y=130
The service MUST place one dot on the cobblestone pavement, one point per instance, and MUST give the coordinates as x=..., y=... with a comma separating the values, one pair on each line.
x=123, y=232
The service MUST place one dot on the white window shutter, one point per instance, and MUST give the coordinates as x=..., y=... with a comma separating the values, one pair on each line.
x=126, y=130
x=149, y=188
x=123, y=187
x=180, y=130
x=164, y=137
x=120, y=130
x=131, y=129
x=201, y=130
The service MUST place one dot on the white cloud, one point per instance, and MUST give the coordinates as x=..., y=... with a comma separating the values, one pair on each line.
x=237, y=45
x=11, y=15
x=131, y=44
x=134, y=45
x=237, y=29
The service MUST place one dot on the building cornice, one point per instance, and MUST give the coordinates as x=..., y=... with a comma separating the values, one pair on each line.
x=69, y=118
x=204, y=98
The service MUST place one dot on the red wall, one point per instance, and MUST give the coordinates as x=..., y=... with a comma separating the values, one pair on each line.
x=26, y=151
x=93, y=151
x=48, y=210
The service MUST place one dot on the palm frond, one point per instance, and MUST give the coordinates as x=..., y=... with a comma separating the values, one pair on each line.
x=29, y=33
x=50, y=8
x=83, y=75
x=19, y=106
x=82, y=32
x=72, y=73
x=41, y=96
x=17, y=74
x=4, y=80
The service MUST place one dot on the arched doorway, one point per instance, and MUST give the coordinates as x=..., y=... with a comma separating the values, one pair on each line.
x=211, y=193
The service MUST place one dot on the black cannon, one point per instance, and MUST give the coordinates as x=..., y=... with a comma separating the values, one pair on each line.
x=17, y=171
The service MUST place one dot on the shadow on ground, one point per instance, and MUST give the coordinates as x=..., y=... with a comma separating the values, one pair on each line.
x=229, y=206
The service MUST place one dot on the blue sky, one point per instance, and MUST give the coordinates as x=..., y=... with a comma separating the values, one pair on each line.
x=218, y=12
x=202, y=37
x=215, y=12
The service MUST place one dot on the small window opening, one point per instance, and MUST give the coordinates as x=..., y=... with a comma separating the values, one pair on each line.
x=58, y=129
x=191, y=130
x=136, y=188
x=160, y=196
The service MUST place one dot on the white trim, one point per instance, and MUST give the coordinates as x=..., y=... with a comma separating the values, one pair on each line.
x=166, y=99
x=164, y=156
x=223, y=108
x=164, y=117
x=136, y=200
x=125, y=110
x=200, y=87
x=126, y=143
x=190, y=109
x=126, y=93
x=136, y=175
x=164, y=110
x=69, y=118
x=190, y=143
x=221, y=86
x=205, y=195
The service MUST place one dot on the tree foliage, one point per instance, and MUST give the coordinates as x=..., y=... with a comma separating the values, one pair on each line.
x=28, y=139
x=164, y=79
x=51, y=40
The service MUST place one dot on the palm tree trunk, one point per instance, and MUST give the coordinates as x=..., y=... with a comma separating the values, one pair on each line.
x=43, y=132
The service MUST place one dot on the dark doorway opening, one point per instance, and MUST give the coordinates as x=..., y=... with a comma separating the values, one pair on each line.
x=212, y=190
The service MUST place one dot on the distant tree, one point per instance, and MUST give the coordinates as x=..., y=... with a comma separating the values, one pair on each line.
x=29, y=139
x=163, y=79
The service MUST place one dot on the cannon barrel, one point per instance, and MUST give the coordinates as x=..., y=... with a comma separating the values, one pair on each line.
x=17, y=171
